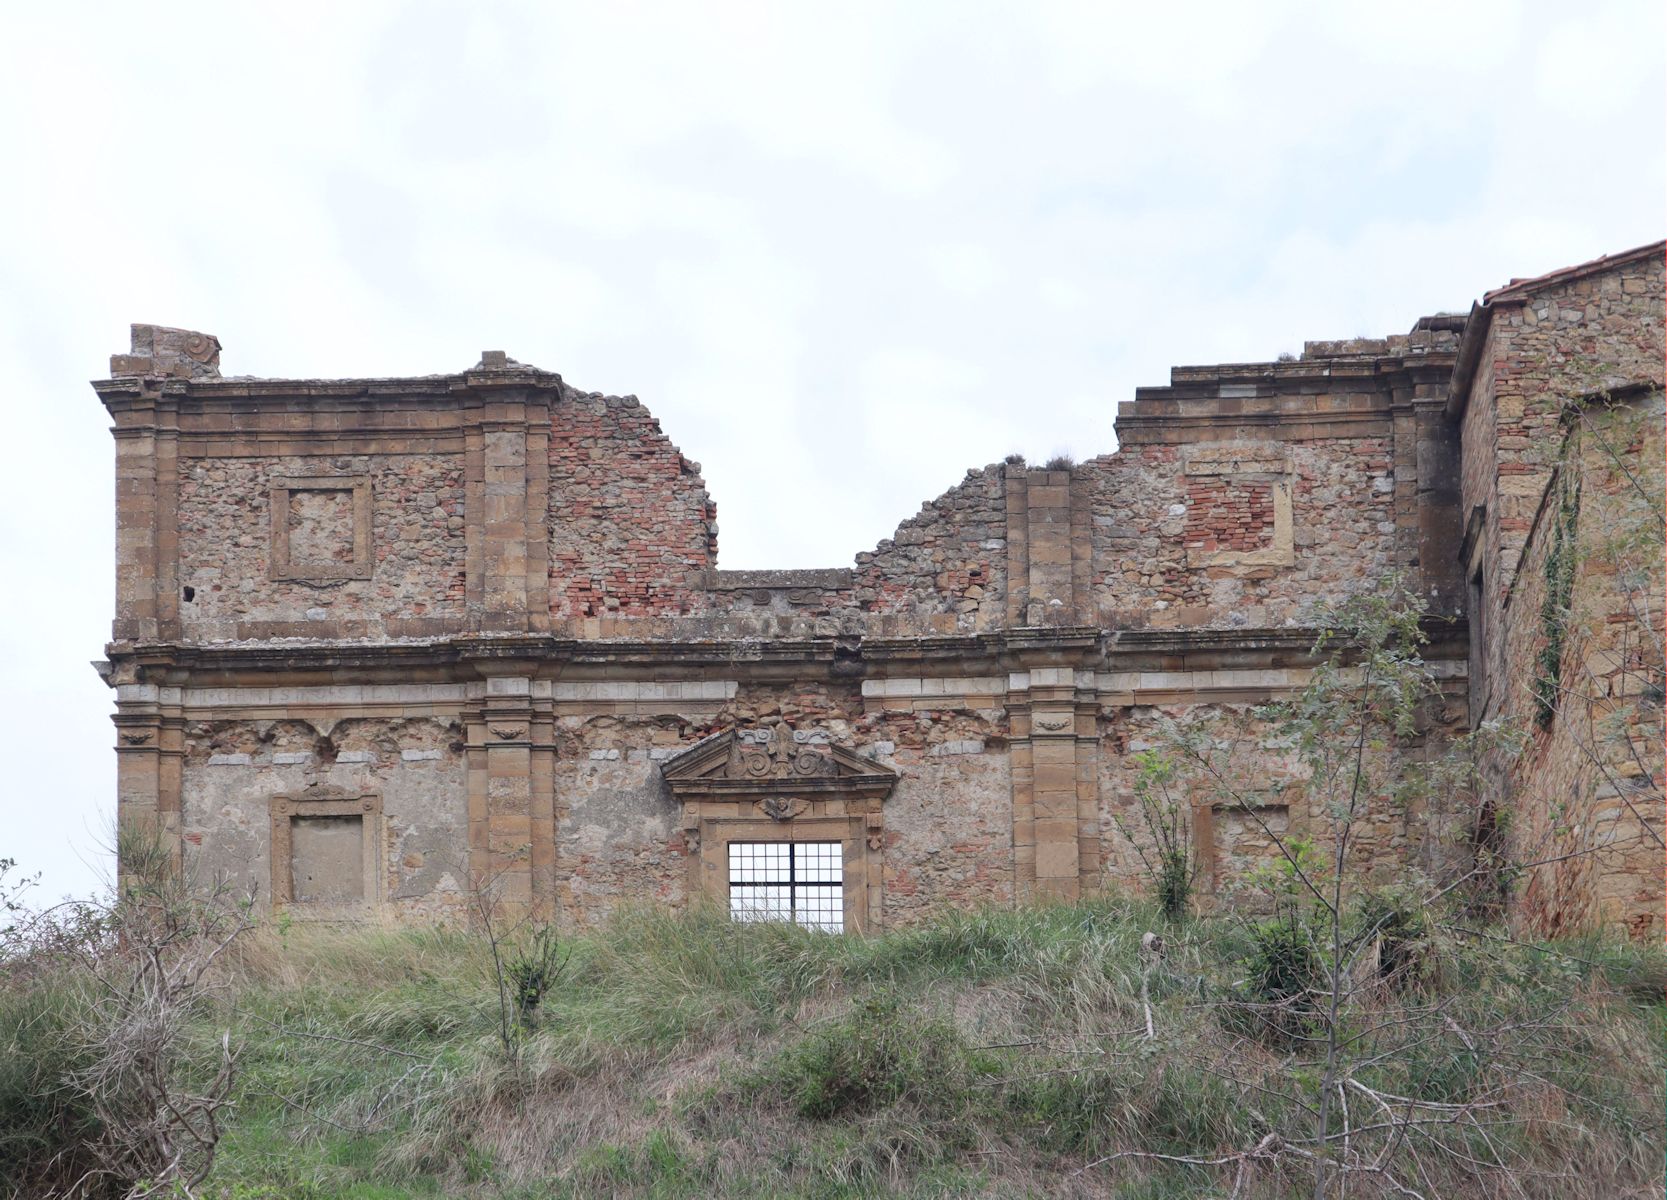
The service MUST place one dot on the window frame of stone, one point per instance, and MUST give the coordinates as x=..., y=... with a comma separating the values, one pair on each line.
x=283, y=567
x=284, y=810
x=726, y=797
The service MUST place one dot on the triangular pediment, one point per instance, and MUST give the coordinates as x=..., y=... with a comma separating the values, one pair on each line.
x=755, y=762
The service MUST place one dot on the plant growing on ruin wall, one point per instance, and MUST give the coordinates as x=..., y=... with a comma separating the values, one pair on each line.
x=1163, y=842
x=1560, y=561
x=1337, y=966
x=1600, y=672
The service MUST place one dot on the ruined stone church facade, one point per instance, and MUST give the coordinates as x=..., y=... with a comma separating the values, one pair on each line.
x=382, y=642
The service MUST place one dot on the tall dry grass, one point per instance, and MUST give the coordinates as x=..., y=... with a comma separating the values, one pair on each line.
x=984, y=1053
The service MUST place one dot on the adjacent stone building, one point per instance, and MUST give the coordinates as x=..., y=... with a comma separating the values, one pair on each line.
x=1557, y=398
x=380, y=643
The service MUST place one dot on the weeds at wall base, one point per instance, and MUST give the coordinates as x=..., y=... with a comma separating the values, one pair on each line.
x=985, y=1053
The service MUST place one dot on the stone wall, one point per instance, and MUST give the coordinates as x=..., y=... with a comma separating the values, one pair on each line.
x=382, y=644
x=622, y=836
x=1583, y=800
x=226, y=536
x=1257, y=788
x=1176, y=548
x=1540, y=343
x=1541, y=359
x=944, y=570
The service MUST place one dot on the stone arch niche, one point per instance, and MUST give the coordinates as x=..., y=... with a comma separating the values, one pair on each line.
x=782, y=785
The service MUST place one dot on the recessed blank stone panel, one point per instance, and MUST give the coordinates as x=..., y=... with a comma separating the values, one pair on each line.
x=327, y=859
x=320, y=527
x=1243, y=843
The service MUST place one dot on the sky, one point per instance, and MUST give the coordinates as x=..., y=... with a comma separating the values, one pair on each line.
x=843, y=252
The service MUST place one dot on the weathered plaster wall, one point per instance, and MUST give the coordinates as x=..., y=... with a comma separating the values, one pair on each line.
x=1423, y=833
x=225, y=548
x=619, y=836
x=949, y=830
x=233, y=769
x=949, y=823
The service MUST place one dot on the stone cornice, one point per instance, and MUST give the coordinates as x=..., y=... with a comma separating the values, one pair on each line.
x=472, y=657
x=245, y=406
x=1338, y=389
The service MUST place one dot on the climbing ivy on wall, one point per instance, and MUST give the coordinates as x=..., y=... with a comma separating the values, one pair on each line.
x=1559, y=591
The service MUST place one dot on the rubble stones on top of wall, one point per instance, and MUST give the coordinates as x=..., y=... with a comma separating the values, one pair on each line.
x=945, y=569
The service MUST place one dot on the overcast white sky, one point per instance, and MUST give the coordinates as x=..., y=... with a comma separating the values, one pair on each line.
x=843, y=252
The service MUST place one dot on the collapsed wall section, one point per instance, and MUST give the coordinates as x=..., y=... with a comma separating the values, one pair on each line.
x=945, y=569
x=632, y=528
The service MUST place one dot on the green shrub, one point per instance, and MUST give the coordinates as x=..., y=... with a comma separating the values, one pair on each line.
x=534, y=971
x=1280, y=1000
x=881, y=1054
x=1398, y=924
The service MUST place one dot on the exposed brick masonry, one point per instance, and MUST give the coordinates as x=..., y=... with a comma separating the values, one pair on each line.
x=631, y=525
x=1227, y=516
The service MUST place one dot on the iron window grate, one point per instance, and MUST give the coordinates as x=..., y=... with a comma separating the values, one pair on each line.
x=801, y=882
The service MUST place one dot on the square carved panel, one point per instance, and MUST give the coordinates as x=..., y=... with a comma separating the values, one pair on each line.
x=321, y=527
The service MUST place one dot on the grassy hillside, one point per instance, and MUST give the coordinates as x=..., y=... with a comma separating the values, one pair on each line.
x=992, y=1053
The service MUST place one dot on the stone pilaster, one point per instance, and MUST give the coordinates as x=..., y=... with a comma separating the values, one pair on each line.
x=166, y=539
x=149, y=763
x=1017, y=481
x=507, y=487
x=1048, y=543
x=508, y=843
x=136, y=512
x=1055, y=768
